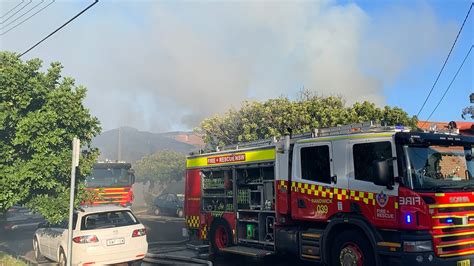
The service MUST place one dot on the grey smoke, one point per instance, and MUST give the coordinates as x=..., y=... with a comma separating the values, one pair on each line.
x=164, y=66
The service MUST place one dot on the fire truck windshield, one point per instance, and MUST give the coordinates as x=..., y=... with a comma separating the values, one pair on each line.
x=440, y=168
x=109, y=177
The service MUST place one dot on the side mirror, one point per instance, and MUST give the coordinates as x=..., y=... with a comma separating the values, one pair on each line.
x=383, y=172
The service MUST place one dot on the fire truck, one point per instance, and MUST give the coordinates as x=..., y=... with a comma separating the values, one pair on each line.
x=360, y=194
x=112, y=181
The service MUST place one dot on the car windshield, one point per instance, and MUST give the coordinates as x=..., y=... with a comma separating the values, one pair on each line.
x=109, y=177
x=440, y=167
x=107, y=220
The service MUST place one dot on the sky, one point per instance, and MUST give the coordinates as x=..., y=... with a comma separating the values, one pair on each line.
x=165, y=65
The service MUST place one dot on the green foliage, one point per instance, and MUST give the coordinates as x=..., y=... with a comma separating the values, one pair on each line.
x=9, y=260
x=274, y=118
x=162, y=167
x=40, y=113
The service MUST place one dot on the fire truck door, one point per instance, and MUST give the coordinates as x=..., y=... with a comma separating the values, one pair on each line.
x=313, y=181
x=377, y=203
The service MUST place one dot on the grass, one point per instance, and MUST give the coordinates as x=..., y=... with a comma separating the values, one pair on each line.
x=7, y=260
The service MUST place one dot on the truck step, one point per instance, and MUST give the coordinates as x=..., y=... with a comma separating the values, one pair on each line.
x=310, y=246
x=248, y=251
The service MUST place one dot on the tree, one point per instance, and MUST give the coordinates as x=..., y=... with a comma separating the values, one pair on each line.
x=40, y=113
x=161, y=168
x=276, y=117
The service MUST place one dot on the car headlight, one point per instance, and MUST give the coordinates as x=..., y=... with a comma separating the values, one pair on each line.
x=417, y=246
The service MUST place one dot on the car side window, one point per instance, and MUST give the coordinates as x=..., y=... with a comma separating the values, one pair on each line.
x=162, y=197
x=315, y=164
x=171, y=198
x=74, y=221
x=364, y=155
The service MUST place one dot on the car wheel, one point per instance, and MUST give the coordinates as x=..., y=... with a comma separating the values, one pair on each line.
x=62, y=258
x=180, y=213
x=157, y=211
x=38, y=256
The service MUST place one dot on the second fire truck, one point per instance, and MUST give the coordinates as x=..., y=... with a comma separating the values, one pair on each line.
x=353, y=195
x=113, y=182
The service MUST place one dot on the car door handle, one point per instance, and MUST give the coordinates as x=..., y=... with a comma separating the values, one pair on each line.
x=301, y=204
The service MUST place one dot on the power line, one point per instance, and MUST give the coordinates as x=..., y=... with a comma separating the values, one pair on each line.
x=451, y=83
x=445, y=61
x=62, y=26
x=3, y=33
x=23, y=7
x=13, y=21
x=22, y=1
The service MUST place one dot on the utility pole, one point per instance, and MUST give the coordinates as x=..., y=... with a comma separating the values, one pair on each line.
x=76, y=145
x=119, y=145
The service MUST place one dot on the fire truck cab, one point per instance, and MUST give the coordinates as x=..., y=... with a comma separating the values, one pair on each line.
x=360, y=194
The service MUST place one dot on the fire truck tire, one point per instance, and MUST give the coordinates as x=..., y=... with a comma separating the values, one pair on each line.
x=351, y=248
x=220, y=235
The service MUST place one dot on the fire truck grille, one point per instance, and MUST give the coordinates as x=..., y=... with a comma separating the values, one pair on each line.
x=453, y=229
x=112, y=196
x=456, y=238
x=456, y=209
x=457, y=248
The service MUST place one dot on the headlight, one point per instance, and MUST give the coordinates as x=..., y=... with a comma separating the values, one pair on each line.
x=417, y=246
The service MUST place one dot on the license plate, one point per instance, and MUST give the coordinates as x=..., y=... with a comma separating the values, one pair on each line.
x=464, y=263
x=115, y=241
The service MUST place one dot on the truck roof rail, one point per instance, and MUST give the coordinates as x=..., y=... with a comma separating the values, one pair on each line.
x=353, y=128
x=250, y=144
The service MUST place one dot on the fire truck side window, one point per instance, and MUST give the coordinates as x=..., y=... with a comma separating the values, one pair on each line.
x=315, y=164
x=365, y=154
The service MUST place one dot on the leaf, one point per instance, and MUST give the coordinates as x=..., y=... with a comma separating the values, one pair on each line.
x=40, y=113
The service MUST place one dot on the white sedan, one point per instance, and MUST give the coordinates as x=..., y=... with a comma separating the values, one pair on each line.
x=101, y=235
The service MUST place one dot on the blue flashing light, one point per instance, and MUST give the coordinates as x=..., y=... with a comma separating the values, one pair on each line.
x=449, y=220
x=399, y=127
x=408, y=218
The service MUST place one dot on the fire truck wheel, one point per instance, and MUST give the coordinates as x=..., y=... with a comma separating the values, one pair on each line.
x=220, y=234
x=157, y=211
x=351, y=248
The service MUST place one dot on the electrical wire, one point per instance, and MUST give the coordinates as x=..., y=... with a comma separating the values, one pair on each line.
x=1, y=22
x=6, y=13
x=13, y=21
x=445, y=61
x=62, y=26
x=3, y=33
x=451, y=83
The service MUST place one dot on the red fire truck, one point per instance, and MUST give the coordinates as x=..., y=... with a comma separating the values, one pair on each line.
x=113, y=183
x=351, y=195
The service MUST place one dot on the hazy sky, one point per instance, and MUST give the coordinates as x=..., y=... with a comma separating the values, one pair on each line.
x=166, y=65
